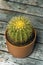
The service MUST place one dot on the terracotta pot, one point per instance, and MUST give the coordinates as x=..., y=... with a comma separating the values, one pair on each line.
x=22, y=51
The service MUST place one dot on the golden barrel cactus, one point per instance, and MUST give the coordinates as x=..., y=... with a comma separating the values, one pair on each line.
x=20, y=30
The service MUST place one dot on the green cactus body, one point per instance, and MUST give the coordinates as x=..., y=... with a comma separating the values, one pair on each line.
x=19, y=30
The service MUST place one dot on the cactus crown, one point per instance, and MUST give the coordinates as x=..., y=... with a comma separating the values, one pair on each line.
x=19, y=30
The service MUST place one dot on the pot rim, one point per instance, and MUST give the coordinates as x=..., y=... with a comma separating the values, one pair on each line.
x=24, y=45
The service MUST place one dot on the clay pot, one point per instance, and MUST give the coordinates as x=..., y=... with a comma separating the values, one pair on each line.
x=21, y=51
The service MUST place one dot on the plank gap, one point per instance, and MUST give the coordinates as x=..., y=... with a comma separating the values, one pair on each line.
x=23, y=3
x=21, y=12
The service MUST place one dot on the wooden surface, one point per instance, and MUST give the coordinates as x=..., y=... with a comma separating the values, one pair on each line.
x=32, y=9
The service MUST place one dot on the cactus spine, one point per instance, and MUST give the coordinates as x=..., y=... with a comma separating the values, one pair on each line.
x=19, y=30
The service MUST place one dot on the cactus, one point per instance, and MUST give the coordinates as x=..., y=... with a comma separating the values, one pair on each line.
x=19, y=30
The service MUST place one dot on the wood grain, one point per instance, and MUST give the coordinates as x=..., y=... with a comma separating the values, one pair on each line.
x=38, y=31
x=36, y=54
x=2, y=27
x=6, y=57
x=24, y=61
x=32, y=9
x=36, y=21
x=31, y=2
x=27, y=9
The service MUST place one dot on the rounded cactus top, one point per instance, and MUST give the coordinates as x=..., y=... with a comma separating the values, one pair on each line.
x=19, y=29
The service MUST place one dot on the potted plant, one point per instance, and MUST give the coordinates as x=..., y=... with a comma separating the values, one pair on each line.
x=20, y=36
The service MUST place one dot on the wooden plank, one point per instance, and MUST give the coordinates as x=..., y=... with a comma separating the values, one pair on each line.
x=22, y=8
x=39, y=36
x=39, y=63
x=36, y=21
x=2, y=43
x=2, y=27
x=36, y=58
x=7, y=58
x=6, y=15
x=38, y=31
x=36, y=54
x=31, y=2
